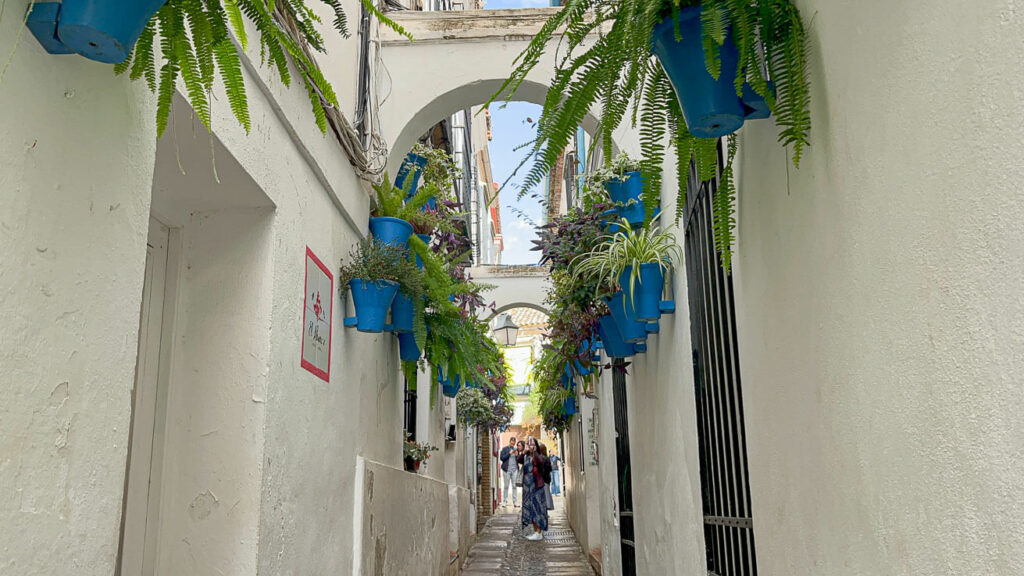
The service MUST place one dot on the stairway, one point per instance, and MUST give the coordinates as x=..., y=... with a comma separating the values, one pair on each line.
x=501, y=550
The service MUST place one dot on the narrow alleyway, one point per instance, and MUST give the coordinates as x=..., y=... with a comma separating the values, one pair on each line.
x=501, y=551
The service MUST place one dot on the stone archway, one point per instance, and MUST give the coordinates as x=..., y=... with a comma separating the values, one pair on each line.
x=457, y=61
x=514, y=287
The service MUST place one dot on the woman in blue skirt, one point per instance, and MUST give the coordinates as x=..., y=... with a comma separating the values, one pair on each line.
x=535, y=503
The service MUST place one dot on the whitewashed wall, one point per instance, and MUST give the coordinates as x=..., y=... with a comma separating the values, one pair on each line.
x=879, y=315
x=260, y=454
x=76, y=165
x=878, y=299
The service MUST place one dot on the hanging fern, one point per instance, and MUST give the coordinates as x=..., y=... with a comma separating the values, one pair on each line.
x=197, y=40
x=605, y=64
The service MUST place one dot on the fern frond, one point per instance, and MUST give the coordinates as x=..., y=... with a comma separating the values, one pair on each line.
x=237, y=23
x=723, y=209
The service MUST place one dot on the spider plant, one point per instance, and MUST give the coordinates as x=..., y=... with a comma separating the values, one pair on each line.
x=626, y=250
x=604, y=62
x=197, y=38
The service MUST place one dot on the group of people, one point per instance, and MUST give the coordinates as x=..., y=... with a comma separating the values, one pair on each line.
x=527, y=464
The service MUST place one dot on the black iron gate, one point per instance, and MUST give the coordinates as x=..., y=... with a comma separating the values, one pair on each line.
x=626, y=530
x=728, y=527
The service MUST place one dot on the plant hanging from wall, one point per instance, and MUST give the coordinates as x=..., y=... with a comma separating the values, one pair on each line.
x=485, y=406
x=194, y=40
x=761, y=42
x=374, y=273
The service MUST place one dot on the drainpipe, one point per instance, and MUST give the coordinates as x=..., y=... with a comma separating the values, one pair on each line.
x=362, y=126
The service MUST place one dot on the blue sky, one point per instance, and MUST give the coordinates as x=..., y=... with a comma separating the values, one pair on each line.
x=510, y=128
x=502, y=4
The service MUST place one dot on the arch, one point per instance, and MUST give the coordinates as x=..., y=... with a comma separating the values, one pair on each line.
x=512, y=306
x=425, y=90
x=514, y=287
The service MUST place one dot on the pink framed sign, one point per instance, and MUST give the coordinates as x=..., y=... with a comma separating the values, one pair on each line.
x=316, y=317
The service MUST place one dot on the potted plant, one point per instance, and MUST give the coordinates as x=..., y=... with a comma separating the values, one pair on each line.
x=408, y=177
x=450, y=386
x=394, y=215
x=415, y=453
x=611, y=339
x=636, y=260
x=196, y=41
x=623, y=181
x=614, y=71
x=485, y=406
x=373, y=275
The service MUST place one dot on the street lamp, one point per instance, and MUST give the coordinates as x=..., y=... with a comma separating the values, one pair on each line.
x=506, y=331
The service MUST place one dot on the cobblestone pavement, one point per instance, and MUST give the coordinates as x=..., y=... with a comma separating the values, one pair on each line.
x=501, y=550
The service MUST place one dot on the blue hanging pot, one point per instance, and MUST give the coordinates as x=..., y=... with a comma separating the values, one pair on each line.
x=569, y=406
x=631, y=330
x=711, y=107
x=628, y=197
x=408, y=351
x=643, y=299
x=449, y=388
x=372, y=299
x=426, y=240
x=411, y=168
x=394, y=231
x=755, y=104
x=402, y=313
x=612, y=340
x=104, y=30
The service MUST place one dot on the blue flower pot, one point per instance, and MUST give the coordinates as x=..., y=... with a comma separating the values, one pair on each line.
x=394, y=231
x=631, y=330
x=612, y=340
x=426, y=240
x=622, y=192
x=408, y=351
x=755, y=104
x=42, y=22
x=711, y=107
x=372, y=301
x=583, y=370
x=644, y=299
x=449, y=388
x=569, y=406
x=402, y=313
x=412, y=166
x=104, y=30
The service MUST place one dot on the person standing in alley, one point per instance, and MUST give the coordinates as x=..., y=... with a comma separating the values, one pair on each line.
x=556, y=487
x=509, y=471
x=535, y=505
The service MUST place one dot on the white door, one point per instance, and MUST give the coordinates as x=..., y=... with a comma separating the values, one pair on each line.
x=145, y=445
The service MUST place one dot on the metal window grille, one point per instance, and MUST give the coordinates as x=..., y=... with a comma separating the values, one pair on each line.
x=410, y=412
x=725, y=488
x=625, y=472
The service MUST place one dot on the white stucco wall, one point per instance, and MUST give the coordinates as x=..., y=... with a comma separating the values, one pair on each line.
x=261, y=455
x=878, y=299
x=401, y=540
x=72, y=253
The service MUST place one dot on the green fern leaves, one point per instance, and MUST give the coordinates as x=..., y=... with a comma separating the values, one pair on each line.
x=605, y=65
x=197, y=41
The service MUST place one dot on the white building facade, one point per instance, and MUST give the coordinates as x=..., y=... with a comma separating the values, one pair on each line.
x=153, y=324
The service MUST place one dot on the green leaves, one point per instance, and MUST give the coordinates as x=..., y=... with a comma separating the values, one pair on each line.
x=605, y=66
x=628, y=247
x=196, y=44
x=723, y=209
